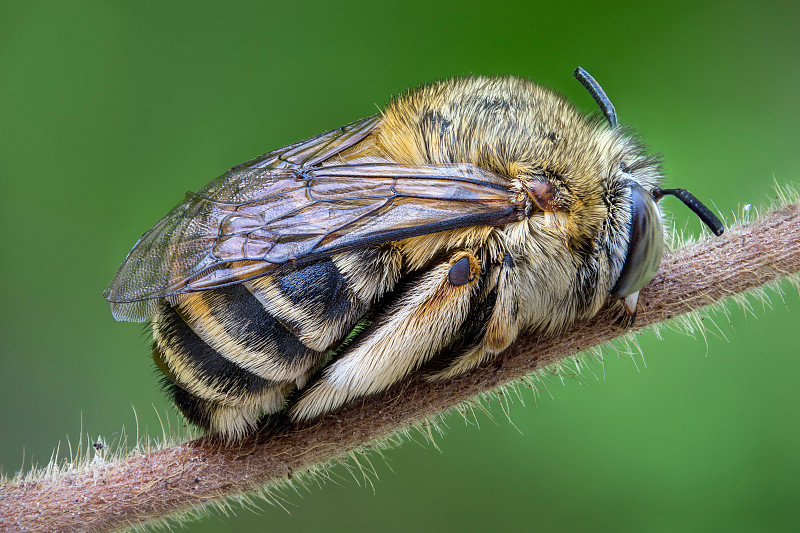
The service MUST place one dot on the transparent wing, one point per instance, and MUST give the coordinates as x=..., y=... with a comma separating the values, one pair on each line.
x=177, y=242
x=287, y=211
x=245, y=182
x=330, y=209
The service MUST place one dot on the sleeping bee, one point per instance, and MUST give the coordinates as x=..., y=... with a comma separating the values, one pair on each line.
x=422, y=239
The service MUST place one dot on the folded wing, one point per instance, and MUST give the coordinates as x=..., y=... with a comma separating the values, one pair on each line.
x=281, y=208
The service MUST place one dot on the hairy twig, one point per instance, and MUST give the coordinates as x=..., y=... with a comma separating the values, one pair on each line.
x=141, y=488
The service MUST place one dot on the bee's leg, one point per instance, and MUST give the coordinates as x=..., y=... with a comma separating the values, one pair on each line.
x=423, y=319
x=502, y=326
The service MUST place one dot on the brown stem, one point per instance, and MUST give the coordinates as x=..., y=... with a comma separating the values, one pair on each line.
x=146, y=487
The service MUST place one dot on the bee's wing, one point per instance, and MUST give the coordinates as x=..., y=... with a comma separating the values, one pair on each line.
x=330, y=209
x=177, y=242
x=315, y=150
x=251, y=220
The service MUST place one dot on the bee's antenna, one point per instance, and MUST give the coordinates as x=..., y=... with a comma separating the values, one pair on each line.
x=705, y=214
x=598, y=94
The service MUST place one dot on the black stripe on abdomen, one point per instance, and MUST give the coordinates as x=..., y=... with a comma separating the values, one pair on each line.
x=195, y=365
x=313, y=301
x=318, y=288
x=233, y=321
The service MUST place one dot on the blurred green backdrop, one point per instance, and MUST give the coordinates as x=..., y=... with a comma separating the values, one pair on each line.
x=110, y=111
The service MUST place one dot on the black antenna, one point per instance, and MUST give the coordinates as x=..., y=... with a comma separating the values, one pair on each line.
x=705, y=214
x=598, y=94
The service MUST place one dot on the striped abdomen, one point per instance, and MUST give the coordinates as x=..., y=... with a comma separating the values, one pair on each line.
x=232, y=355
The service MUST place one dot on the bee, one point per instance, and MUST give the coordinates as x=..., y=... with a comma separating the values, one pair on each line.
x=422, y=239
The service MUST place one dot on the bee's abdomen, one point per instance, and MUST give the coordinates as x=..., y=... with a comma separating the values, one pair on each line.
x=233, y=322
x=235, y=353
x=314, y=302
x=212, y=391
x=192, y=361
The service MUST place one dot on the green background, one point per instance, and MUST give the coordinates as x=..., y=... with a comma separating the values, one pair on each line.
x=110, y=111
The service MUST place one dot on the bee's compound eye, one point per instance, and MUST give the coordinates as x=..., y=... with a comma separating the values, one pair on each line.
x=645, y=246
x=460, y=273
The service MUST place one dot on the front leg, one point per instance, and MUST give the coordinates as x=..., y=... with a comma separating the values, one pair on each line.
x=422, y=320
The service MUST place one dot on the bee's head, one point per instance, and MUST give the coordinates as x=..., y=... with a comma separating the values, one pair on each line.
x=646, y=228
x=646, y=239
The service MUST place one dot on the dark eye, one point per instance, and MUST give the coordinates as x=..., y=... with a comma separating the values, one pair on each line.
x=646, y=244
